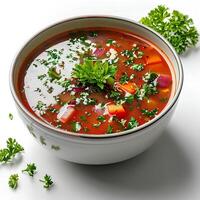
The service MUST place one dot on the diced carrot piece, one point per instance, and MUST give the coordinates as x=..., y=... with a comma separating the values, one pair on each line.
x=151, y=103
x=128, y=87
x=153, y=58
x=117, y=110
x=65, y=113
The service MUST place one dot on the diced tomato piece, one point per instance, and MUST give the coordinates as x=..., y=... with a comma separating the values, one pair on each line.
x=153, y=58
x=117, y=110
x=128, y=87
x=65, y=113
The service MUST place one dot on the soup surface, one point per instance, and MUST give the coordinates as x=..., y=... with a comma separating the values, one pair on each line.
x=96, y=81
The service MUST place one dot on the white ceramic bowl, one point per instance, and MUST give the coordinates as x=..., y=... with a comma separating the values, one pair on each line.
x=95, y=149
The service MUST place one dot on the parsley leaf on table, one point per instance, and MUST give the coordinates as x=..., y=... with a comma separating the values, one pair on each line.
x=13, y=181
x=47, y=181
x=30, y=169
x=13, y=148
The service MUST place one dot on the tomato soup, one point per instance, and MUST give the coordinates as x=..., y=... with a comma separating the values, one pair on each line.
x=96, y=81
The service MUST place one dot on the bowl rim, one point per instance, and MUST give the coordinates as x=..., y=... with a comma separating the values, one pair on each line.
x=63, y=133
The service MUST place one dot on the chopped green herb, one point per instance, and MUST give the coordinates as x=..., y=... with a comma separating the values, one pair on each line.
x=146, y=91
x=137, y=67
x=66, y=83
x=93, y=34
x=83, y=118
x=84, y=97
x=13, y=148
x=132, y=76
x=129, y=99
x=128, y=62
x=150, y=77
x=76, y=126
x=150, y=113
x=123, y=122
x=53, y=74
x=13, y=181
x=101, y=118
x=176, y=27
x=47, y=181
x=110, y=42
x=41, y=107
x=42, y=76
x=140, y=54
x=109, y=129
x=124, y=78
x=115, y=95
x=132, y=123
x=128, y=53
x=10, y=116
x=30, y=169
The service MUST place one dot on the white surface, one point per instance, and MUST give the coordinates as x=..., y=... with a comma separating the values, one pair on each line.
x=167, y=171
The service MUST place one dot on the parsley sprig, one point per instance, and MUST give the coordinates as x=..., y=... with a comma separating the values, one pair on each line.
x=13, y=181
x=176, y=27
x=30, y=169
x=13, y=148
x=47, y=181
x=95, y=72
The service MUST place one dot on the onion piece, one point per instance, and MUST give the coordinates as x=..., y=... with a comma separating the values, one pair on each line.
x=98, y=52
x=78, y=89
x=164, y=81
x=65, y=113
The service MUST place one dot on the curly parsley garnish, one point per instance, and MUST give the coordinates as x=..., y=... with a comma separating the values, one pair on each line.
x=13, y=181
x=176, y=27
x=95, y=72
x=47, y=181
x=13, y=148
x=30, y=169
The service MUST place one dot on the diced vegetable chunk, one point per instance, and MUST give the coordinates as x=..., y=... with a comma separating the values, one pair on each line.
x=164, y=81
x=117, y=110
x=65, y=113
x=153, y=58
x=128, y=87
x=99, y=52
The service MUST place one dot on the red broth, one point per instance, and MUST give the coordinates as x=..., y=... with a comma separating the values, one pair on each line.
x=141, y=86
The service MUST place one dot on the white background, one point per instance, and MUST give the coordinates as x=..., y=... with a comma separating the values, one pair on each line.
x=168, y=170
